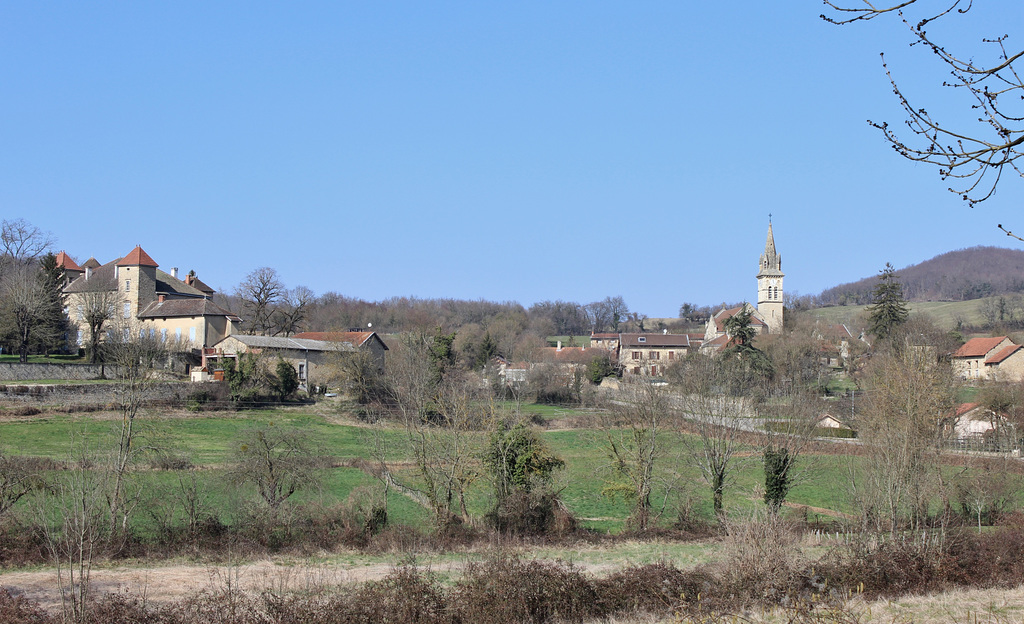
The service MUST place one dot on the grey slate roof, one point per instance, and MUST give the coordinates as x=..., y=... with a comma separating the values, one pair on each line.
x=300, y=344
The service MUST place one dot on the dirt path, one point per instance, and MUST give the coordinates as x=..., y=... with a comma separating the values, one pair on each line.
x=167, y=583
x=172, y=582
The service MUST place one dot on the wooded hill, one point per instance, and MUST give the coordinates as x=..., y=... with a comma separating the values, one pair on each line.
x=960, y=275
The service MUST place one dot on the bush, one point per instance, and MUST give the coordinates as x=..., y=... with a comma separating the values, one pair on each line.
x=505, y=590
x=657, y=588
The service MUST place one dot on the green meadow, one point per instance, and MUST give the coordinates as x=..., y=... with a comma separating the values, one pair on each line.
x=207, y=441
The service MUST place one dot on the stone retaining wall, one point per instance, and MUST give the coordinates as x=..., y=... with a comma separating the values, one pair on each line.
x=13, y=371
x=89, y=394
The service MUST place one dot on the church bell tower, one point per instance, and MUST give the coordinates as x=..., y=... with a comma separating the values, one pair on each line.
x=769, y=285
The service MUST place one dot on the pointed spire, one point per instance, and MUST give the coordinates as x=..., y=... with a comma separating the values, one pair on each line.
x=771, y=261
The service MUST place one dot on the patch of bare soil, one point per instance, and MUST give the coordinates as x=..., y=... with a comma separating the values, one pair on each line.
x=169, y=583
x=161, y=584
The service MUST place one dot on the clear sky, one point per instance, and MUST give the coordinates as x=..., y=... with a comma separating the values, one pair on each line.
x=505, y=151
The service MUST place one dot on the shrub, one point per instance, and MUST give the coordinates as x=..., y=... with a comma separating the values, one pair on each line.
x=505, y=590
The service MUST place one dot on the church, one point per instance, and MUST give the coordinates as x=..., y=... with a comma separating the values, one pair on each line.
x=767, y=317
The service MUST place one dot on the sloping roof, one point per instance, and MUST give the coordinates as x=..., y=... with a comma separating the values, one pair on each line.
x=963, y=408
x=722, y=315
x=65, y=262
x=91, y=263
x=137, y=257
x=655, y=340
x=603, y=336
x=198, y=284
x=102, y=279
x=358, y=338
x=1003, y=353
x=717, y=344
x=978, y=347
x=167, y=284
x=185, y=307
x=297, y=344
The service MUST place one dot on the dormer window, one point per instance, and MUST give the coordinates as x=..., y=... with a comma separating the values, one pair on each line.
x=642, y=339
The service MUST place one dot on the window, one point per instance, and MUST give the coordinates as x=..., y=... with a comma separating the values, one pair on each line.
x=636, y=370
x=127, y=309
x=78, y=340
x=654, y=371
x=637, y=355
x=671, y=355
x=163, y=335
x=655, y=355
x=142, y=334
x=127, y=285
x=81, y=312
x=192, y=334
x=642, y=339
x=177, y=334
x=152, y=333
x=302, y=371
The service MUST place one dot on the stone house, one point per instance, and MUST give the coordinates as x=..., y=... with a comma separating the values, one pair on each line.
x=651, y=354
x=996, y=358
x=143, y=299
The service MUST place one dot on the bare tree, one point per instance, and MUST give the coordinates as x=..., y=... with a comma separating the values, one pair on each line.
x=134, y=354
x=23, y=306
x=441, y=412
x=20, y=241
x=278, y=461
x=976, y=156
x=290, y=313
x=260, y=293
x=71, y=516
x=909, y=394
x=715, y=419
x=96, y=307
x=636, y=433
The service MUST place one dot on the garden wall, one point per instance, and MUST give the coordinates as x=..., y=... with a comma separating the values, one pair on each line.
x=99, y=394
x=13, y=371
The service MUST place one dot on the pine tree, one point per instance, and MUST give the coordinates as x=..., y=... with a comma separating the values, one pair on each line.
x=53, y=330
x=888, y=309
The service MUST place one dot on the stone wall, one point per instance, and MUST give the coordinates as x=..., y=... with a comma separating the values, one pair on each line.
x=99, y=394
x=13, y=371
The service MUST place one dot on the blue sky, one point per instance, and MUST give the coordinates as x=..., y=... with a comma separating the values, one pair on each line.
x=525, y=151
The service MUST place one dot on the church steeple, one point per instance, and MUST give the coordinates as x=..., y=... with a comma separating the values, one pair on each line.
x=769, y=284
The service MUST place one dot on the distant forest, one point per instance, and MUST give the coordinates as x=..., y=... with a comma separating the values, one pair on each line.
x=959, y=275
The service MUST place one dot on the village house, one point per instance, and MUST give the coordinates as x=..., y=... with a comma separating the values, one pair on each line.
x=996, y=358
x=651, y=354
x=143, y=300
x=306, y=352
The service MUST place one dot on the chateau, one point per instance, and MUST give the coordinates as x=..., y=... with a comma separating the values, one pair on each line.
x=138, y=297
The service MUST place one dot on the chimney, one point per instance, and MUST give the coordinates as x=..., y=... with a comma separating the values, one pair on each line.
x=174, y=272
x=559, y=345
x=88, y=273
x=664, y=332
x=161, y=297
x=115, y=271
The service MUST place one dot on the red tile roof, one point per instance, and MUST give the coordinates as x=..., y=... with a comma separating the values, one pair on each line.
x=978, y=347
x=65, y=262
x=137, y=257
x=1003, y=353
x=656, y=340
x=963, y=408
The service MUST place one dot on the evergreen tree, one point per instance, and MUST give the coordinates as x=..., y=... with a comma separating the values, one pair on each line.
x=754, y=363
x=888, y=309
x=52, y=335
x=442, y=355
x=287, y=379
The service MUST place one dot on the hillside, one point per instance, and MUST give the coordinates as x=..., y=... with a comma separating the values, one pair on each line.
x=960, y=275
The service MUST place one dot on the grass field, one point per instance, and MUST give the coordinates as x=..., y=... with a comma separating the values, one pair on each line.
x=208, y=441
x=945, y=314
